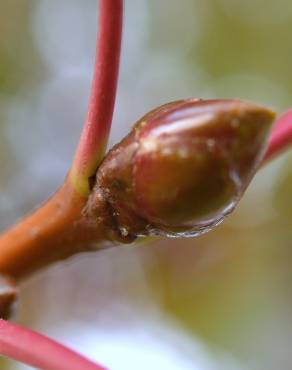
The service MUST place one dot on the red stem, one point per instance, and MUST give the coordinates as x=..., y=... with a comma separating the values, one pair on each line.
x=281, y=137
x=94, y=137
x=39, y=351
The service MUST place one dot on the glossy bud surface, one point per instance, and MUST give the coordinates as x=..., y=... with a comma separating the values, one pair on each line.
x=184, y=166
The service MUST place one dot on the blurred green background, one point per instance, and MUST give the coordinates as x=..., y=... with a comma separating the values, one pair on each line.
x=219, y=302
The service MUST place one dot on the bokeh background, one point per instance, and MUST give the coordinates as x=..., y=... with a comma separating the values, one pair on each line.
x=219, y=302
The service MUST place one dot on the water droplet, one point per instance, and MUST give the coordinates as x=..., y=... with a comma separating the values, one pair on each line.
x=124, y=231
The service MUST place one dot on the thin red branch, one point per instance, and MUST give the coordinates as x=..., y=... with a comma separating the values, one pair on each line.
x=281, y=137
x=33, y=349
x=94, y=137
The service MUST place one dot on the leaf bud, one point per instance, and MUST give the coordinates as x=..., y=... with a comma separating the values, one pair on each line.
x=183, y=167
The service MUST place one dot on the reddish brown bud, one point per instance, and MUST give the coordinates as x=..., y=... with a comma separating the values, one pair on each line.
x=183, y=167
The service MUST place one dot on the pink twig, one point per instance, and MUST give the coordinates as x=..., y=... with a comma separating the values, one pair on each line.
x=281, y=137
x=39, y=351
x=94, y=137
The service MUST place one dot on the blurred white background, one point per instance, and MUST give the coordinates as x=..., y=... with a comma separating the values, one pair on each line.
x=216, y=303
